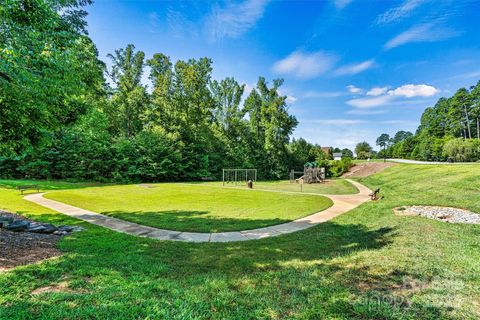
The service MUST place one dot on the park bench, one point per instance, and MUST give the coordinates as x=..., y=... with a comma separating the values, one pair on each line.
x=207, y=178
x=24, y=188
x=374, y=194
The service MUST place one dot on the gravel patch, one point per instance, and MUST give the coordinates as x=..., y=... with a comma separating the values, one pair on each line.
x=445, y=214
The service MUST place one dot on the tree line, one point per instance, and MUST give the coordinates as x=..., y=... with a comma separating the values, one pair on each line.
x=450, y=130
x=65, y=116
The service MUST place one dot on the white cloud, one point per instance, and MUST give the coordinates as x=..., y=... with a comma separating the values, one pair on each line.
x=318, y=94
x=400, y=122
x=154, y=21
x=340, y=4
x=467, y=75
x=352, y=89
x=397, y=13
x=381, y=97
x=234, y=19
x=377, y=91
x=414, y=90
x=426, y=32
x=336, y=122
x=355, y=68
x=365, y=103
x=305, y=65
x=291, y=99
x=248, y=89
x=366, y=111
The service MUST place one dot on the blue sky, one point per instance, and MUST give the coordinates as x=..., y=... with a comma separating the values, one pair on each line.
x=353, y=69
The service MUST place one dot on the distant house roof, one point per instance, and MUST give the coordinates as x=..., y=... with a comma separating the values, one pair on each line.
x=337, y=154
x=326, y=150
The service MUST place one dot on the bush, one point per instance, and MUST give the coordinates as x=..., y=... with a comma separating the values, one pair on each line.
x=335, y=168
x=429, y=149
x=462, y=150
x=363, y=155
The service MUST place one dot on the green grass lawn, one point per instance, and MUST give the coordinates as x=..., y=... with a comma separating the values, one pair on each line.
x=365, y=264
x=199, y=208
x=333, y=186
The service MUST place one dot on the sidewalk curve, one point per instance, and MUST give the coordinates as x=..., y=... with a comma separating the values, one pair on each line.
x=341, y=204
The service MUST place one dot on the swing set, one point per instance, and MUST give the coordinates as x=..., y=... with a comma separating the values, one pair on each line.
x=238, y=175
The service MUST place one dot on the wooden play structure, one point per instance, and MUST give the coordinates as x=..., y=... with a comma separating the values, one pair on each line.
x=311, y=174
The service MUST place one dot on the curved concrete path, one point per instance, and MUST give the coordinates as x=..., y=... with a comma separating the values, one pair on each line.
x=341, y=204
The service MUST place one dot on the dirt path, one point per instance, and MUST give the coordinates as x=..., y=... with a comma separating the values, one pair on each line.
x=366, y=169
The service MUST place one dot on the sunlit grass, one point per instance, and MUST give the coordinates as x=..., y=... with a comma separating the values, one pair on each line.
x=331, y=186
x=364, y=264
x=200, y=208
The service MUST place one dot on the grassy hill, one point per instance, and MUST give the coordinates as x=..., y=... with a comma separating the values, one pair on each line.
x=365, y=264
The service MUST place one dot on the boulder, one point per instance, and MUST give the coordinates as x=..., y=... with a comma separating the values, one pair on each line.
x=5, y=221
x=77, y=229
x=49, y=228
x=36, y=228
x=65, y=228
x=18, y=225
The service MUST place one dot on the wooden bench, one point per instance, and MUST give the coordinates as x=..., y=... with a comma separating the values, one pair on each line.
x=374, y=194
x=24, y=188
x=207, y=178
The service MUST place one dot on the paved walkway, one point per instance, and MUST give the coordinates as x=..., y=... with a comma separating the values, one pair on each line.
x=427, y=162
x=341, y=204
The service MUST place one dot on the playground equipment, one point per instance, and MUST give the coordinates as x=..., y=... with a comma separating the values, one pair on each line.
x=239, y=175
x=311, y=174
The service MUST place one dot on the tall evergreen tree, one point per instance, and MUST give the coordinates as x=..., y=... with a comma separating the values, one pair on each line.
x=129, y=101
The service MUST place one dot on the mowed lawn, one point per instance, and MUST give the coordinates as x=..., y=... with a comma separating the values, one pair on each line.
x=198, y=208
x=365, y=264
x=331, y=186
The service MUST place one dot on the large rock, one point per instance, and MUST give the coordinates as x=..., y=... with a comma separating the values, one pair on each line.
x=5, y=221
x=65, y=228
x=18, y=225
x=49, y=228
x=36, y=228
x=70, y=228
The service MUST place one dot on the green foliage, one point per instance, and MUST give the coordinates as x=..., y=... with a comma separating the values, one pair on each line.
x=401, y=136
x=347, y=153
x=429, y=148
x=363, y=150
x=129, y=101
x=339, y=167
x=60, y=119
x=457, y=118
x=335, y=168
x=301, y=152
x=462, y=150
x=49, y=71
x=383, y=140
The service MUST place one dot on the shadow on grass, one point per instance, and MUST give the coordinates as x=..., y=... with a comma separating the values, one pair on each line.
x=237, y=280
x=192, y=221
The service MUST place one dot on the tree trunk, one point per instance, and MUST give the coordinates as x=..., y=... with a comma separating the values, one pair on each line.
x=478, y=128
x=468, y=121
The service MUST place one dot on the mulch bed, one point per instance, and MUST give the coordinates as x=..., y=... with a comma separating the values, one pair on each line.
x=20, y=248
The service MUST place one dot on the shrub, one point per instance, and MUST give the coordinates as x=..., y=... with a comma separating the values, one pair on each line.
x=335, y=168
x=462, y=150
